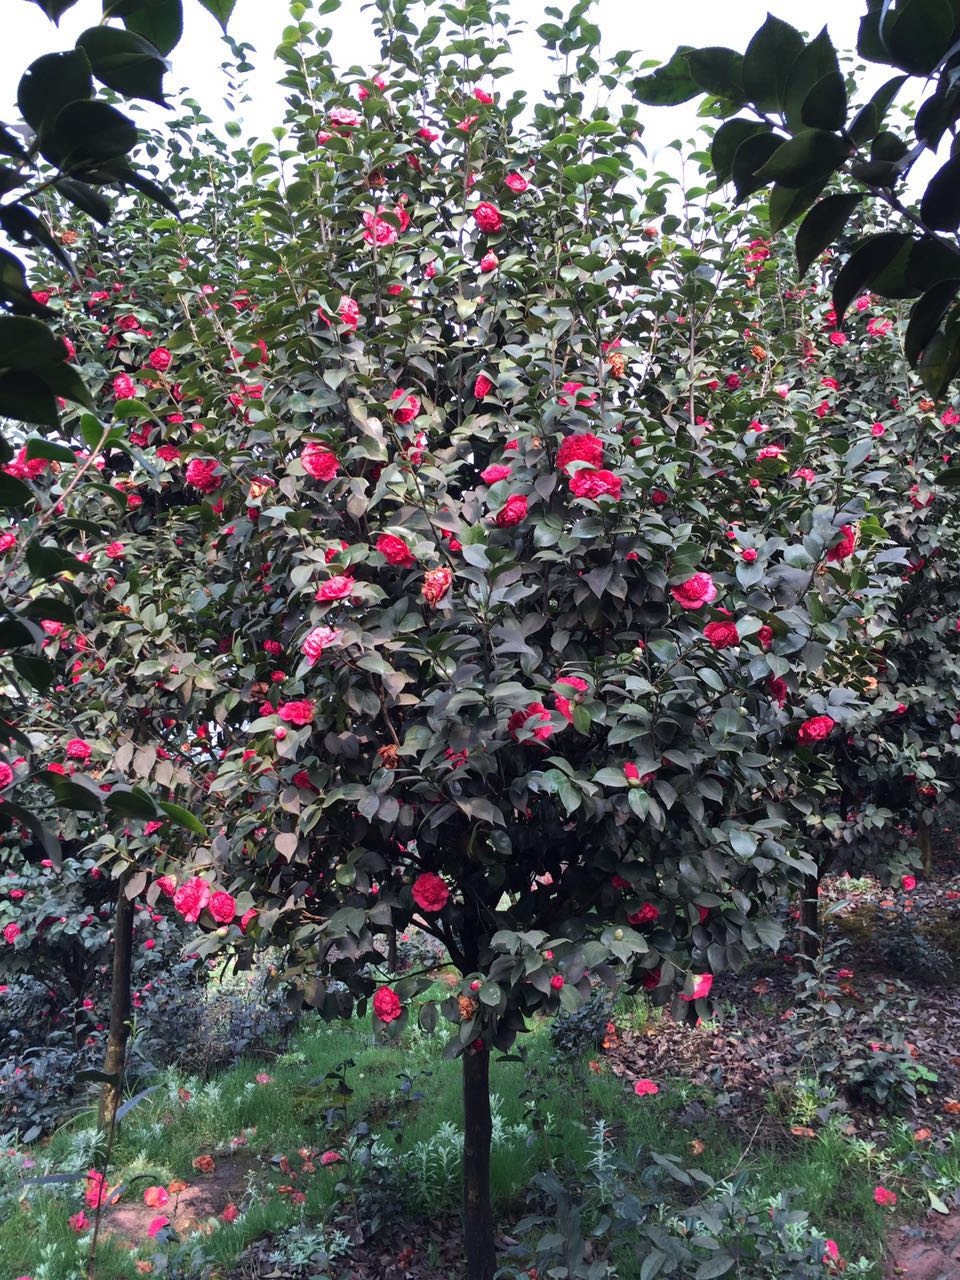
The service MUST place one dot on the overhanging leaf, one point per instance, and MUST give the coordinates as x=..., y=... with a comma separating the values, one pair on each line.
x=821, y=226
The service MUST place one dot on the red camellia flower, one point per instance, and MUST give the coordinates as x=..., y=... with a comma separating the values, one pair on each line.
x=386, y=1004
x=487, y=217
x=489, y=261
x=436, y=584
x=430, y=893
x=318, y=639
x=777, y=688
x=580, y=448
x=330, y=1157
x=765, y=637
x=556, y=982
x=643, y=1087
x=909, y=882
x=319, y=462
x=6, y=774
x=160, y=359
x=516, y=182
x=884, y=1197
x=702, y=984
x=497, y=471
x=410, y=407
x=299, y=713
x=749, y=554
x=513, y=511
x=222, y=907
x=695, y=592
x=646, y=915
x=815, y=729
x=588, y=483
x=395, y=551
x=846, y=546
x=535, y=718
x=123, y=387
x=191, y=898
x=247, y=916
x=482, y=386
x=722, y=635
x=201, y=474
x=156, y=1225
x=156, y=1197
x=77, y=749
x=378, y=230
x=335, y=588
x=11, y=932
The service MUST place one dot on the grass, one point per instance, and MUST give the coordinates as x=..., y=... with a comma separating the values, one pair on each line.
x=164, y=1133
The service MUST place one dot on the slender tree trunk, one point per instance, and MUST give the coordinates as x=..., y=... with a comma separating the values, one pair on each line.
x=810, y=918
x=111, y=1096
x=925, y=842
x=481, y=1258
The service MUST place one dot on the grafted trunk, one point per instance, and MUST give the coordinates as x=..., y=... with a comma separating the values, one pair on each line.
x=478, y=1235
x=119, y=1032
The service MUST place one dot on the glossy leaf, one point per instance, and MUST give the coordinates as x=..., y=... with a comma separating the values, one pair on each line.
x=50, y=83
x=810, y=155
x=668, y=85
x=159, y=21
x=821, y=226
x=864, y=265
x=768, y=62
x=940, y=206
x=126, y=62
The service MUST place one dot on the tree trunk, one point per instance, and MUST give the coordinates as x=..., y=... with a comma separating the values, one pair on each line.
x=113, y=1061
x=926, y=846
x=480, y=1254
x=810, y=919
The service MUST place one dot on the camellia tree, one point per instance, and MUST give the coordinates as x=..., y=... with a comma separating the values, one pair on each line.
x=419, y=532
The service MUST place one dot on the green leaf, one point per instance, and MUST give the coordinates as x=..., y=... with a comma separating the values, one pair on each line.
x=821, y=226
x=129, y=177
x=751, y=156
x=825, y=107
x=28, y=398
x=27, y=344
x=940, y=362
x=917, y=33
x=13, y=492
x=669, y=85
x=14, y=288
x=183, y=818
x=49, y=449
x=818, y=59
x=37, y=671
x=125, y=62
x=866, y=123
x=50, y=607
x=14, y=634
x=221, y=10
x=50, y=83
x=48, y=561
x=718, y=71
x=925, y=317
x=87, y=133
x=159, y=21
x=864, y=264
x=940, y=206
x=768, y=61
x=811, y=154
x=131, y=802
x=24, y=227
x=55, y=9
x=788, y=203
x=726, y=142
x=86, y=199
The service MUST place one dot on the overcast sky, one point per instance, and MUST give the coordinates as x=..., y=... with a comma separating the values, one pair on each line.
x=652, y=26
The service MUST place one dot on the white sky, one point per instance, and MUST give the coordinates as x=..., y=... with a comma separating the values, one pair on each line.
x=652, y=26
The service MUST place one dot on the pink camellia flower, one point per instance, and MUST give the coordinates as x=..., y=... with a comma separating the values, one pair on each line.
x=230, y=1213
x=535, y=718
x=6, y=774
x=344, y=117
x=487, y=217
x=909, y=882
x=247, y=916
x=732, y=381
x=581, y=402
x=299, y=713
x=428, y=135
x=77, y=749
x=319, y=462
x=395, y=551
x=644, y=1087
x=877, y=429
x=695, y=592
x=846, y=546
x=632, y=775
x=838, y=338
x=556, y=982
x=430, y=893
x=222, y=907
x=201, y=474
x=386, y=1004
x=722, y=635
x=318, y=639
x=482, y=386
x=804, y=473
x=516, y=182
x=330, y=1157
x=363, y=92
x=831, y=1251
x=496, y=471
x=702, y=984
x=770, y=451
x=156, y=1197
x=436, y=584
x=815, y=729
x=11, y=932
x=115, y=550
x=410, y=407
x=513, y=511
x=157, y=1224
x=191, y=898
x=335, y=588
x=124, y=387
x=884, y=1197
x=378, y=230
x=580, y=448
x=7, y=542
x=79, y=1222
x=263, y=1077
x=589, y=483
x=481, y=95
x=159, y=359
x=465, y=125
x=349, y=312
x=489, y=261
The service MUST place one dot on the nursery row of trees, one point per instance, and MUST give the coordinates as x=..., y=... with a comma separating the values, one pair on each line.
x=465, y=525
